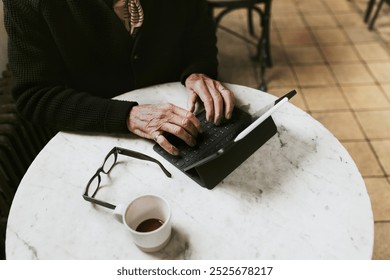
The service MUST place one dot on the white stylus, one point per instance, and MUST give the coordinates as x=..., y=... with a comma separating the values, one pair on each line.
x=262, y=118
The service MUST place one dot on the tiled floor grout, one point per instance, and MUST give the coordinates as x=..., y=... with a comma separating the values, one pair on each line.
x=364, y=99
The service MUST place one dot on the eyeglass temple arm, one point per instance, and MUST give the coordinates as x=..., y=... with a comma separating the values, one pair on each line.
x=99, y=202
x=143, y=157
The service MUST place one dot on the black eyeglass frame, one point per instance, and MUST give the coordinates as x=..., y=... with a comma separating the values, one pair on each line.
x=115, y=151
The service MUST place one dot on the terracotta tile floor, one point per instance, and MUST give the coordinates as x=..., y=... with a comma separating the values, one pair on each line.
x=323, y=49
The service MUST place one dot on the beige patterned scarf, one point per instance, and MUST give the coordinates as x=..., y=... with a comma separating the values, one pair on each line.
x=131, y=13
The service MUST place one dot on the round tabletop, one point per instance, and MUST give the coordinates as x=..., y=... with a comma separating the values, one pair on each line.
x=299, y=196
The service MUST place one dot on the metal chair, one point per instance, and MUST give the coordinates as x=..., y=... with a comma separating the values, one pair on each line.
x=370, y=6
x=3, y=226
x=263, y=52
x=367, y=14
x=20, y=142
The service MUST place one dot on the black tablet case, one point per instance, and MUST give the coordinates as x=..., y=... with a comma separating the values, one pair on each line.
x=210, y=173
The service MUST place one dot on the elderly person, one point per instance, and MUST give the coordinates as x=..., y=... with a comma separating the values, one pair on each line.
x=69, y=58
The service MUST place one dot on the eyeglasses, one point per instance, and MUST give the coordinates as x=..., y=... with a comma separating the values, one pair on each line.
x=109, y=162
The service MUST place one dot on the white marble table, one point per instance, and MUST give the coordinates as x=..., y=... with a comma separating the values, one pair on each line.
x=300, y=196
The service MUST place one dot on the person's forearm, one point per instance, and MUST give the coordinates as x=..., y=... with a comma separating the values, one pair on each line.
x=66, y=109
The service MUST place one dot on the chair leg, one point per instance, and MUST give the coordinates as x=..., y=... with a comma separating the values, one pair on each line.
x=372, y=22
x=264, y=58
x=263, y=55
x=370, y=5
x=263, y=82
x=250, y=21
x=263, y=46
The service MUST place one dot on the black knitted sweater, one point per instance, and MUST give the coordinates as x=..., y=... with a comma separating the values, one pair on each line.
x=70, y=57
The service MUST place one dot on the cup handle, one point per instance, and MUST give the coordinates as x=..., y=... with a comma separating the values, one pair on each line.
x=119, y=212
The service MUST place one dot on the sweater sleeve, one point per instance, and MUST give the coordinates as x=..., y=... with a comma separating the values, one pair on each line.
x=201, y=55
x=41, y=86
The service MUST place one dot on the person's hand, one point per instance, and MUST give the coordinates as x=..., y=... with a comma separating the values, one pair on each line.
x=150, y=121
x=218, y=100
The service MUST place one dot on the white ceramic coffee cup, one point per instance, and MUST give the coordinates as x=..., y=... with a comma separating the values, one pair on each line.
x=141, y=209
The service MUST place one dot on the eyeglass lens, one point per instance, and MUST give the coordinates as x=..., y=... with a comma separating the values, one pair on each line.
x=95, y=181
x=93, y=186
x=109, y=163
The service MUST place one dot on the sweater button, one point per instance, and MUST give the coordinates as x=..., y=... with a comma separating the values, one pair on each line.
x=136, y=57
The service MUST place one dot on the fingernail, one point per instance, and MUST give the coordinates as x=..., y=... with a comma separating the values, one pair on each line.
x=229, y=115
x=193, y=143
x=175, y=151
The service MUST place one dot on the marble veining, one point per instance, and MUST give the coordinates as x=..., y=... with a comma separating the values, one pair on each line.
x=300, y=196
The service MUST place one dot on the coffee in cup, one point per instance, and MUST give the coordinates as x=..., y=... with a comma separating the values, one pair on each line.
x=148, y=218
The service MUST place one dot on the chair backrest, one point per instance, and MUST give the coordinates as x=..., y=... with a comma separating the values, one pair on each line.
x=3, y=41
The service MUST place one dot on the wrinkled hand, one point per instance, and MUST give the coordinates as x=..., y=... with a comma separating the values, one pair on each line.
x=218, y=100
x=150, y=121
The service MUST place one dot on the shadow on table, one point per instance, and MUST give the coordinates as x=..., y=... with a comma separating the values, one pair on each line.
x=178, y=247
x=279, y=160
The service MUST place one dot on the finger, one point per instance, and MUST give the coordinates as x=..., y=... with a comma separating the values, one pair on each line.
x=191, y=100
x=180, y=132
x=166, y=145
x=185, y=123
x=155, y=137
x=187, y=118
x=228, y=99
x=204, y=94
x=217, y=101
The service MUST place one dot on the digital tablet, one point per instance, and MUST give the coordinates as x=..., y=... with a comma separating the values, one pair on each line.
x=259, y=117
